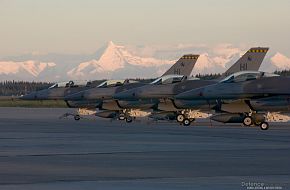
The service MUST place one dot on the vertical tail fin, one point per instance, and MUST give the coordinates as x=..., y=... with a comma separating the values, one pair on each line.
x=183, y=66
x=250, y=61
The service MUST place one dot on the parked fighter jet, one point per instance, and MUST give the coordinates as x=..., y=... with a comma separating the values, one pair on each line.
x=245, y=97
x=103, y=93
x=162, y=90
x=59, y=90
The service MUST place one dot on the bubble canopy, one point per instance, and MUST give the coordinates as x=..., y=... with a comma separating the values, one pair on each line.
x=246, y=76
x=168, y=79
x=71, y=84
x=113, y=83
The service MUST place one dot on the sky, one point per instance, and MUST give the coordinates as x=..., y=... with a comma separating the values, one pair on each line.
x=83, y=26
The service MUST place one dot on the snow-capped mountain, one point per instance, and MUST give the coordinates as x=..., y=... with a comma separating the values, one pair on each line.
x=117, y=61
x=28, y=69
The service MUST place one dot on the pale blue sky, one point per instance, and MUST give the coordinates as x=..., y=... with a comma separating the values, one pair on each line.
x=82, y=26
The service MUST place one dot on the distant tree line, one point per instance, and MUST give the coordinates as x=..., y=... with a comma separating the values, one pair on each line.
x=18, y=88
x=208, y=76
x=283, y=72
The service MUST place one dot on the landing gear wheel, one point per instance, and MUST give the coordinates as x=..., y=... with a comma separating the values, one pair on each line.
x=247, y=121
x=264, y=125
x=180, y=118
x=129, y=119
x=121, y=116
x=186, y=122
x=77, y=117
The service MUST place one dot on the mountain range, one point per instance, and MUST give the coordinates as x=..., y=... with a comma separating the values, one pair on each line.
x=118, y=61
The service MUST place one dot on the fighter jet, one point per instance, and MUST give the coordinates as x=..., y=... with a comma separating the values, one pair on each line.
x=162, y=90
x=59, y=90
x=245, y=97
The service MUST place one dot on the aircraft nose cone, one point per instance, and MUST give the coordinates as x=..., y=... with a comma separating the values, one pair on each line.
x=30, y=96
x=75, y=96
x=37, y=95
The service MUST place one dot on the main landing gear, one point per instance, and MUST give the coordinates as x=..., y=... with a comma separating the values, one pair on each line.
x=184, y=119
x=125, y=116
x=256, y=120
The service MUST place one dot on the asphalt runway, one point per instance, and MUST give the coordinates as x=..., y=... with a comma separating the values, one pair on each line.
x=40, y=151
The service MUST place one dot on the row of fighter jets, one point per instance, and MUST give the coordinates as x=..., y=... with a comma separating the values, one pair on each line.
x=242, y=94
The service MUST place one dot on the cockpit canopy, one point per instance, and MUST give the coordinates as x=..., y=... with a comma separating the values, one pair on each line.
x=113, y=83
x=246, y=76
x=71, y=84
x=168, y=79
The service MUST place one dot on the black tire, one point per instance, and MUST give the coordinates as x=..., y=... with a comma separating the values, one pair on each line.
x=121, y=116
x=129, y=119
x=186, y=122
x=264, y=126
x=77, y=117
x=180, y=118
x=248, y=121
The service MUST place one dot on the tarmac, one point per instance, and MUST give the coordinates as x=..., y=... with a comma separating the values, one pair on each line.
x=38, y=150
